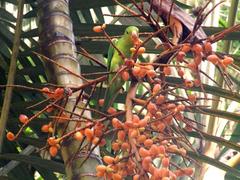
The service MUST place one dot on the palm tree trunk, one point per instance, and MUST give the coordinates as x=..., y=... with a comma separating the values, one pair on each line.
x=57, y=42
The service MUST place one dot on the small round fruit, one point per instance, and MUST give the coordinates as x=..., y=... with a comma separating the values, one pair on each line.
x=167, y=71
x=53, y=150
x=97, y=29
x=78, y=136
x=10, y=136
x=213, y=58
x=45, y=128
x=23, y=118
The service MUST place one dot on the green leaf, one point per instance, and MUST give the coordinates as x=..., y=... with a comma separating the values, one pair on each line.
x=214, y=162
x=34, y=160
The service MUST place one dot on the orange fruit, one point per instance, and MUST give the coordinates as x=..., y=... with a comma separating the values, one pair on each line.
x=167, y=71
x=186, y=47
x=97, y=29
x=188, y=171
x=121, y=135
x=101, y=168
x=78, y=136
x=165, y=162
x=10, y=136
x=180, y=72
x=108, y=159
x=116, y=176
x=116, y=123
x=192, y=98
x=161, y=149
x=125, y=75
x=111, y=110
x=52, y=141
x=156, y=89
x=136, y=177
x=208, y=47
x=213, y=59
x=197, y=48
x=89, y=134
x=151, y=73
x=141, y=138
x=53, y=150
x=148, y=142
x=45, y=128
x=180, y=56
x=146, y=163
x=141, y=50
x=136, y=71
x=160, y=99
x=227, y=61
x=143, y=152
x=152, y=108
x=101, y=102
x=115, y=146
x=23, y=118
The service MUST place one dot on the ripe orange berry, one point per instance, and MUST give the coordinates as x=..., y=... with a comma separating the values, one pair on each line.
x=45, y=90
x=213, y=59
x=136, y=177
x=148, y=142
x=142, y=73
x=52, y=141
x=146, y=163
x=141, y=50
x=161, y=126
x=78, y=136
x=116, y=123
x=188, y=171
x=45, y=128
x=180, y=56
x=167, y=71
x=227, y=61
x=165, y=162
x=121, y=135
x=111, y=110
x=97, y=29
x=188, y=83
x=135, y=118
x=153, y=150
x=152, y=108
x=23, y=118
x=58, y=93
x=143, y=122
x=160, y=99
x=143, y=152
x=108, y=159
x=197, y=48
x=125, y=146
x=161, y=149
x=208, y=47
x=198, y=59
x=136, y=71
x=141, y=138
x=115, y=146
x=95, y=140
x=133, y=133
x=125, y=75
x=101, y=102
x=192, y=98
x=192, y=66
x=151, y=73
x=10, y=136
x=197, y=82
x=116, y=176
x=181, y=107
x=89, y=134
x=53, y=150
x=186, y=47
x=180, y=72
x=101, y=168
x=102, y=143
x=156, y=89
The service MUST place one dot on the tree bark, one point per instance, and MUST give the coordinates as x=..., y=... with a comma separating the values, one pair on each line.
x=57, y=42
